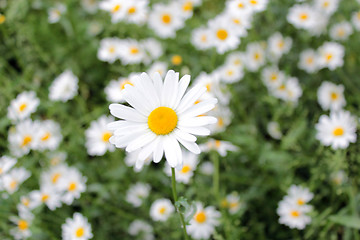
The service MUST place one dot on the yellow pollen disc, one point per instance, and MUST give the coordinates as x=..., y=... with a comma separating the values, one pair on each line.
x=273, y=77
x=203, y=38
x=166, y=18
x=13, y=184
x=23, y=225
x=72, y=187
x=220, y=122
x=2, y=19
x=339, y=131
x=106, y=136
x=230, y=73
x=217, y=143
x=224, y=203
x=222, y=34
x=303, y=16
x=46, y=136
x=200, y=217
x=240, y=5
x=25, y=202
x=295, y=213
x=122, y=84
x=162, y=120
x=253, y=2
x=237, y=62
x=185, y=169
x=281, y=44
x=197, y=101
x=310, y=60
x=176, y=60
x=236, y=21
x=329, y=57
x=208, y=87
x=300, y=202
x=44, y=197
x=132, y=10
x=162, y=210
x=282, y=87
x=116, y=8
x=79, y=232
x=55, y=178
x=27, y=139
x=111, y=49
x=187, y=6
x=341, y=32
x=22, y=107
x=334, y=96
x=358, y=15
x=134, y=50
x=234, y=205
x=326, y=4
x=257, y=56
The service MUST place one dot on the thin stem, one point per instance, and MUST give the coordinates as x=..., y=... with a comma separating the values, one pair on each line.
x=216, y=176
x=173, y=183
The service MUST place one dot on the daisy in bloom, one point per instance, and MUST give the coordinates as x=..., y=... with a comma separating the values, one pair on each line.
x=136, y=11
x=203, y=224
x=25, y=205
x=13, y=179
x=207, y=168
x=200, y=38
x=339, y=177
x=355, y=19
x=6, y=163
x=23, y=105
x=97, y=137
x=272, y=77
x=185, y=174
x=161, y=210
x=239, y=23
x=273, y=128
x=109, y=50
x=72, y=185
x=341, y=31
x=236, y=59
x=56, y=12
x=153, y=48
x=232, y=203
x=131, y=160
x=213, y=87
x=116, y=8
x=293, y=90
x=337, y=130
x=327, y=6
x=137, y=193
x=23, y=223
x=186, y=7
x=302, y=16
x=222, y=147
x=47, y=196
x=298, y=195
x=331, y=96
x=161, y=116
x=309, y=61
x=114, y=90
x=22, y=138
x=131, y=52
x=160, y=67
x=76, y=228
x=331, y=55
x=165, y=20
x=55, y=158
x=52, y=178
x=64, y=87
x=292, y=215
x=222, y=36
x=239, y=7
x=141, y=228
x=48, y=135
x=255, y=56
x=223, y=115
x=229, y=73
x=279, y=45
x=257, y=5
x=90, y=6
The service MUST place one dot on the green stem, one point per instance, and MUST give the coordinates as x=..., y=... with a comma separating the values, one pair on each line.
x=216, y=176
x=173, y=183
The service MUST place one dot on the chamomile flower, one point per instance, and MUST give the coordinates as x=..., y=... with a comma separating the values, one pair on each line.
x=6, y=163
x=257, y=5
x=137, y=193
x=327, y=6
x=223, y=115
x=165, y=20
x=337, y=130
x=25, y=205
x=161, y=116
x=222, y=36
x=136, y=11
x=76, y=228
x=236, y=59
x=203, y=224
x=114, y=90
x=331, y=96
x=207, y=168
x=14, y=178
x=239, y=7
x=255, y=56
x=309, y=61
x=229, y=73
x=160, y=67
x=55, y=13
x=153, y=48
x=56, y=158
x=222, y=147
x=279, y=45
x=273, y=128
x=131, y=52
x=161, y=210
x=48, y=135
x=232, y=202
x=90, y=6
x=109, y=50
x=355, y=19
x=341, y=31
x=292, y=215
x=302, y=16
x=293, y=90
x=23, y=223
x=23, y=105
x=200, y=38
x=185, y=174
x=72, y=185
x=64, y=87
x=46, y=195
x=116, y=8
x=52, y=178
x=331, y=55
x=298, y=195
x=97, y=137
x=239, y=23
x=23, y=138
x=186, y=7
x=272, y=77
x=142, y=229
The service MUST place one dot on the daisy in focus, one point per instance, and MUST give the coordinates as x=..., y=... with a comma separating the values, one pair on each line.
x=331, y=96
x=76, y=228
x=162, y=116
x=22, y=106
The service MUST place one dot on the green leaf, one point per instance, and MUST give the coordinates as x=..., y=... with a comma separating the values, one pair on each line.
x=347, y=221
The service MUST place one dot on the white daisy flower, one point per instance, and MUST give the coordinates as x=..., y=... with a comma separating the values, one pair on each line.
x=97, y=137
x=55, y=13
x=355, y=19
x=48, y=135
x=273, y=128
x=331, y=96
x=223, y=115
x=222, y=36
x=232, y=202
x=337, y=130
x=116, y=8
x=302, y=16
x=25, y=205
x=230, y=74
x=153, y=48
x=255, y=56
x=309, y=61
x=327, y=6
x=272, y=77
x=238, y=7
x=109, y=50
x=341, y=31
x=160, y=67
x=114, y=90
x=292, y=215
x=23, y=105
x=64, y=87
x=186, y=7
x=293, y=90
x=238, y=23
x=203, y=224
x=47, y=196
x=142, y=229
x=6, y=163
x=131, y=52
x=55, y=158
x=207, y=168
x=23, y=224
x=257, y=5
x=136, y=11
x=222, y=147
x=278, y=45
x=76, y=228
x=165, y=20
x=200, y=38
x=23, y=138
x=331, y=55
x=236, y=59
x=72, y=185
x=161, y=116
x=13, y=179
x=298, y=195
x=185, y=174
x=131, y=160
x=137, y=193
x=90, y=6
x=161, y=210
x=52, y=178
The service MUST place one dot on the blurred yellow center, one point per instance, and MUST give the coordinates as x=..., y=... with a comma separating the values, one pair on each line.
x=222, y=34
x=166, y=18
x=295, y=213
x=234, y=205
x=27, y=139
x=341, y=32
x=237, y=62
x=134, y=50
x=55, y=177
x=326, y=4
x=203, y=38
x=111, y=49
x=132, y=10
x=300, y=202
x=230, y=73
x=25, y=202
x=79, y=232
x=23, y=225
x=106, y=136
x=44, y=197
x=334, y=96
x=236, y=21
x=22, y=107
x=253, y=2
x=282, y=87
x=217, y=143
x=1, y=170
x=176, y=60
x=72, y=186
x=339, y=131
x=185, y=169
x=273, y=77
x=220, y=122
x=281, y=44
x=257, y=56
x=200, y=217
x=328, y=57
x=310, y=60
x=2, y=19
x=162, y=120
x=224, y=203
x=13, y=184
x=240, y=5
x=303, y=16
x=187, y=6
x=116, y=8
x=46, y=136
x=162, y=210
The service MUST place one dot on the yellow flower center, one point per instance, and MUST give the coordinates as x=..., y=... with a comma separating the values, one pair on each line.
x=162, y=210
x=23, y=225
x=230, y=73
x=334, y=96
x=44, y=197
x=132, y=10
x=257, y=56
x=55, y=161
x=208, y=87
x=72, y=186
x=13, y=184
x=1, y=170
x=241, y=5
x=162, y=120
x=187, y=6
x=300, y=201
x=224, y=203
x=166, y=18
x=326, y=4
x=111, y=49
x=303, y=16
x=2, y=19
x=282, y=87
x=295, y=213
x=281, y=44
x=339, y=131
x=25, y=202
x=22, y=107
x=237, y=62
x=116, y=8
x=253, y=2
x=328, y=57
x=236, y=21
x=341, y=32
x=200, y=217
x=27, y=139
x=217, y=143
x=222, y=34
x=185, y=169
x=106, y=136
x=273, y=77
x=46, y=136
x=310, y=60
x=55, y=178
x=220, y=122
x=79, y=232
x=203, y=38
x=176, y=60
x=233, y=205
x=123, y=83
x=134, y=50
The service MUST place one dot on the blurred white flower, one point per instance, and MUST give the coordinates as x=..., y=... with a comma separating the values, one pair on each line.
x=23, y=223
x=355, y=19
x=222, y=147
x=278, y=45
x=257, y=5
x=23, y=105
x=137, y=193
x=13, y=179
x=109, y=50
x=161, y=210
x=160, y=67
x=292, y=215
x=309, y=61
x=273, y=128
x=327, y=6
x=64, y=87
x=46, y=195
x=207, y=168
x=229, y=73
x=339, y=177
x=72, y=184
x=272, y=77
x=90, y=6
x=331, y=55
x=302, y=16
x=48, y=135
x=224, y=117
x=232, y=202
x=331, y=96
x=55, y=13
x=298, y=195
x=131, y=160
x=22, y=138
x=114, y=90
x=200, y=38
x=142, y=229
x=131, y=52
x=6, y=163
x=255, y=56
x=341, y=31
x=76, y=228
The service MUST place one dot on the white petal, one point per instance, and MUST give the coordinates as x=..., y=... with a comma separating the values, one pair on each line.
x=191, y=146
x=170, y=152
x=148, y=149
x=201, y=131
x=200, y=108
x=169, y=91
x=127, y=113
x=197, y=121
x=183, y=84
x=159, y=150
x=141, y=141
x=190, y=98
x=184, y=135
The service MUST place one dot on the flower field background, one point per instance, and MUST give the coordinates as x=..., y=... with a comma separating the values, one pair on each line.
x=282, y=161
